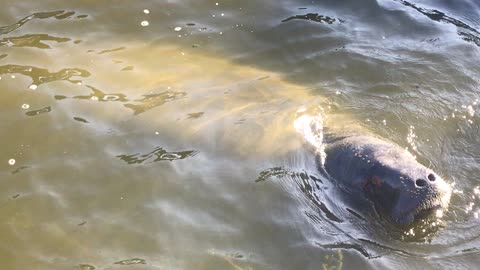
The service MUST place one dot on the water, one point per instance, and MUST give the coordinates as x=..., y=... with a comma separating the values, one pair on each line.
x=165, y=139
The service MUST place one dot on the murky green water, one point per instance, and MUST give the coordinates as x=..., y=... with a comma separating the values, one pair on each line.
x=159, y=134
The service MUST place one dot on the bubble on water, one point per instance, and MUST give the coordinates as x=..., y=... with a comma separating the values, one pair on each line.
x=13, y=76
x=216, y=4
x=453, y=115
x=25, y=106
x=178, y=28
x=156, y=133
x=79, y=83
x=222, y=14
x=94, y=98
x=33, y=87
x=476, y=190
x=384, y=121
x=144, y=23
x=11, y=162
x=475, y=215
x=221, y=33
x=337, y=93
x=146, y=11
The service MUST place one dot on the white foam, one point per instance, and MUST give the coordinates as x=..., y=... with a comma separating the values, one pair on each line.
x=310, y=127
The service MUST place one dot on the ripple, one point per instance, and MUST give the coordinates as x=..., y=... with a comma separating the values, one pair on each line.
x=131, y=261
x=31, y=40
x=313, y=17
x=353, y=246
x=195, y=115
x=272, y=172
x=158, y=154
x=39, y=111
x=19, y=169
x=3, y=55
x=465, y=31
x=101, y=96
x=60, y=14
x=129, y=68
x=112, y=50
x=40, y=75
x=309, y=185
x=85, y=267
x=79, y=119
x=151, y=101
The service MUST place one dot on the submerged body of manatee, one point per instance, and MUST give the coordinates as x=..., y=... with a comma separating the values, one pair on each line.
x=162, y=134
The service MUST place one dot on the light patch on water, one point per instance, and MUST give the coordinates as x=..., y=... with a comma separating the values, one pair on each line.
x=469, y=207
x=470, y=110
x=411, y=136
x=439, y=213
x=384, y=122
x=33, y=87
x=12, y=76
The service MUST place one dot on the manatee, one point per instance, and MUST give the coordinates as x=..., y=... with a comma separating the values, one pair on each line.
x=369, y=168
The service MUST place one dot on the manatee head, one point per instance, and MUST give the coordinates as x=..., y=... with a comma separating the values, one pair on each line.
x=404, y=189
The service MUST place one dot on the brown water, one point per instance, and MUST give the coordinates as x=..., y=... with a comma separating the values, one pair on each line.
x=171, y=145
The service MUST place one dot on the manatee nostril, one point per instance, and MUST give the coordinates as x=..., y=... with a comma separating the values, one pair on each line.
x=431, y=177
x=420, y=183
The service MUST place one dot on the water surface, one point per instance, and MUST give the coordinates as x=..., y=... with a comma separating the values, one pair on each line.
x=159, y=134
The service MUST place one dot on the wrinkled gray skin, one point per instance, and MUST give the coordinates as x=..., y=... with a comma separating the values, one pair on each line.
x=390, y=177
